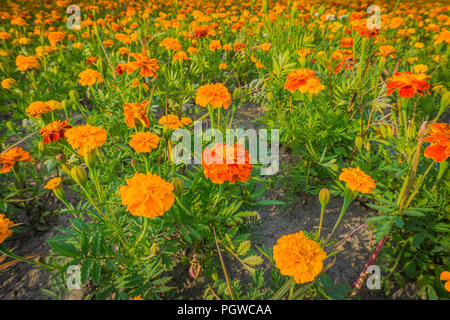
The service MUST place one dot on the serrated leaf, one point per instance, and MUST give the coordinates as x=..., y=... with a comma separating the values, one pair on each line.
x=253, y=260
x=243, y=248
x=64, y=249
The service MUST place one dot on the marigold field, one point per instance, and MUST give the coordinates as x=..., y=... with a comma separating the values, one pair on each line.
x=115, y=185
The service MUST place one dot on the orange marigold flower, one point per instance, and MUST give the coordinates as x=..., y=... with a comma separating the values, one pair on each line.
x=439, y=136
x=408, y=84
x=347, y=42
x=265, y=46
x=53, y=183
x=357, y=180
x=147, y=195
x=445, y=276
x=9, y=158
x=171, y=44
x=216, y=95
x=8, y=83
x=239, y=46
x=226, y=163
x=223, y=66
x=37, y=108
x=5, y=232
x=173, y=122
x=214, y=45
x=303, y=80
x=91, y=60
x=180, y=56
x=55, y=130
x=299, y=257
x=386, y=51
x=24, y=63
x=85, y=138
x=144, y=141
x=89, y=77
x=55, y=37
x=147, y=65
x=136, y=111
x=54, y=105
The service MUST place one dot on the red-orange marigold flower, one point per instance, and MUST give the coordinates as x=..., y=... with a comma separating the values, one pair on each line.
x=85, y=138
x=9, y=158
x=147, y=195
x=408, y=84
x=136, y=111
x=439, y=136
x=357, y=180
x=216, y=95
x=55, y=130
x=299, y=257
x=303, y=80
x=144, y=141
x=227, y=163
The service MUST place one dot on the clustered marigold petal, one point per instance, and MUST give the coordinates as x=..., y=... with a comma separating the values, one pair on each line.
x=5, y=231
x=53, y=183
x=216, y=95
x=357, y=180
x=136, y=111
x=303, y=80
x=445, y=276
x=439, y=137
x=89, y=77
x=144, y=141
x=85, y=138
x=10, y=157
x=408, y=84
x=227, y=163
x=299, y=257
x=55, y=130
x=147, y=195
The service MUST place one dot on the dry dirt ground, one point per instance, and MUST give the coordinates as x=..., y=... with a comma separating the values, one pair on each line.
x=23, y=281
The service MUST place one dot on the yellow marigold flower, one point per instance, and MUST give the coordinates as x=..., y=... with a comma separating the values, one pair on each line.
x=25, y=63
x=147, y=195
x=386, y=51
x=357, y=180
x=54, y=105
x=299, y=257
x=37, y=108
x=144, y=141
x=89, y=76
x=85, y=138
x=8, y=83
x=53, y=183
x=77, y=45
x=216, y=95
x=5, y=223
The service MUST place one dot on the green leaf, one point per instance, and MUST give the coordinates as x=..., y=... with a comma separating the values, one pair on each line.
x=441, y=227
x=382, y=230
x=380, y=208
x=86, y=270
x=418, y=239
x=96, y=272
x=253, y=260
x=243, y=248
x=410, y=268
x=185, y=234
x=399, y=222
x=64, y=249
x=269, y=202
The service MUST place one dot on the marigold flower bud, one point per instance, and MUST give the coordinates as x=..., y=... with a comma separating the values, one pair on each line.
x=155, y=248
x=79, y=175
x=324, y=196
x=359, y=142
x=66, y=169
x=73, y=95
x=133, y=163
x=89, y=158
x=178, y=187
x=41, y=146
